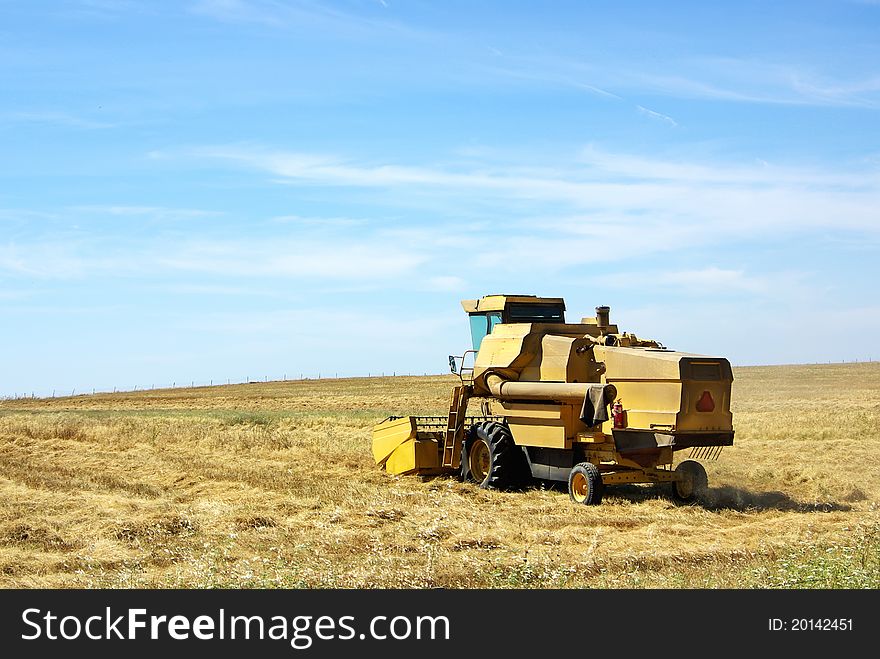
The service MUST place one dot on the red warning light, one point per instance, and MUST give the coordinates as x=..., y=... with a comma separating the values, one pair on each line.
x=706, y=404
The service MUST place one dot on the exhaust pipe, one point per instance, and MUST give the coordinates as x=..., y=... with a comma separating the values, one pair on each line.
x=602, y=317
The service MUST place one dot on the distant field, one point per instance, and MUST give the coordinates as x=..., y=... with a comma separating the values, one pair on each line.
x=273, y=485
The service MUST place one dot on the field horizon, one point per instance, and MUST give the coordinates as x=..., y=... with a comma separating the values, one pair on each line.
x=272, y=484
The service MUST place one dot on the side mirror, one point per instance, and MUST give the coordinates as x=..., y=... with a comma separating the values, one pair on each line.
x=452, y=364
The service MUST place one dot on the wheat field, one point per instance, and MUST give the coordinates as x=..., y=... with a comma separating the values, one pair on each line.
x=273, y=485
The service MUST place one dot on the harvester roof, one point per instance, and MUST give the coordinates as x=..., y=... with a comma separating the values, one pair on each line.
x=499, y=302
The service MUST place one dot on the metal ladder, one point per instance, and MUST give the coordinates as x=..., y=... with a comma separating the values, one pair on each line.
x=455, y=425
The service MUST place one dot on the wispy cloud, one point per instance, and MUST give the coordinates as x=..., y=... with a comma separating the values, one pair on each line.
x=319, y=221
x=301, y=15
x=218, y=290
x=757, y=173
x=735, y=79
x=376, y=333
x=552, y=218
x=14, y=295
x=445, y=283
x=155, y=212
x=752, y=81
x=243, y=11
x=657, y=115
x=300, y=259
x=103, y=10
x=712, y=281
x=520, y=69
x=52, y=259
x=659, y=205
x=369, y=259
x=864, y=92
x=25, y=214
x=629, y=190
x=55, y=118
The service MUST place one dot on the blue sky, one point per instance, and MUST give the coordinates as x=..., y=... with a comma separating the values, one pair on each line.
x=213, y=189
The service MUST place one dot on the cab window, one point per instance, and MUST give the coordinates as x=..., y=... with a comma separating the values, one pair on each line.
x=481, y=325
x=535, y=313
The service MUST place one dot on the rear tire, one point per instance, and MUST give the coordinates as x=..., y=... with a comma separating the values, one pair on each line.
x=692, y=482
x=585, y=484
x=490, y=458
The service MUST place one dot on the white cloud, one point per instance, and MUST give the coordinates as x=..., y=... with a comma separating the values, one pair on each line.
x=852, y=92
x=713, y=281
x=756, y=81
x=53, y=117
x=759, y=173
x=318, y=221
x=520, y=69
x=301, y=259
x=218, y=289
x=735, y=79
x=599, y=208
x=56, y=260
x=657, y=115
x=338, y=257
x=241, y=11
x=773, y=330
x=314, y=330
x=713, y=200
x=450, y=283
x=155, y=212
x=25, y=215
x=14, y=295
x=305, y=16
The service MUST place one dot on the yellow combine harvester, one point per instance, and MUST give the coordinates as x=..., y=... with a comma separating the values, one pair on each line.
x=546, y=386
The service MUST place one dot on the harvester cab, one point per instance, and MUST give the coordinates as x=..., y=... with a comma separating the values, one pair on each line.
x=484, y=314
x=546, y=386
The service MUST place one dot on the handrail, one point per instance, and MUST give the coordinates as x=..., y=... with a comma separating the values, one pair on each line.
x=464, y=373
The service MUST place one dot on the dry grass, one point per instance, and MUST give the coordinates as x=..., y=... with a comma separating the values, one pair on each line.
x=273, y=484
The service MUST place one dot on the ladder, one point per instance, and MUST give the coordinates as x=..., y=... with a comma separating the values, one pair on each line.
x=455, y=425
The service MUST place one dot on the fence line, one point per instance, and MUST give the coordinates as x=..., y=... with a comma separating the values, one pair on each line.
x=303, y=377
x=194, y=384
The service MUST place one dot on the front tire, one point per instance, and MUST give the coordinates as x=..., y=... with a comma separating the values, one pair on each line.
x=585, y=484
x=491, y=459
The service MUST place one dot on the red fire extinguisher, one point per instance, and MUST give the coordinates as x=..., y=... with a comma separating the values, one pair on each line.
x=618, y=414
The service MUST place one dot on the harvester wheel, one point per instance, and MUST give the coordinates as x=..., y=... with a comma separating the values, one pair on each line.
x=692, y=481
x=491, y=458
x=585, y=484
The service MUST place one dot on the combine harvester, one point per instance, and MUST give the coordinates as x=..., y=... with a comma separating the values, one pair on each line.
x=545, y=387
